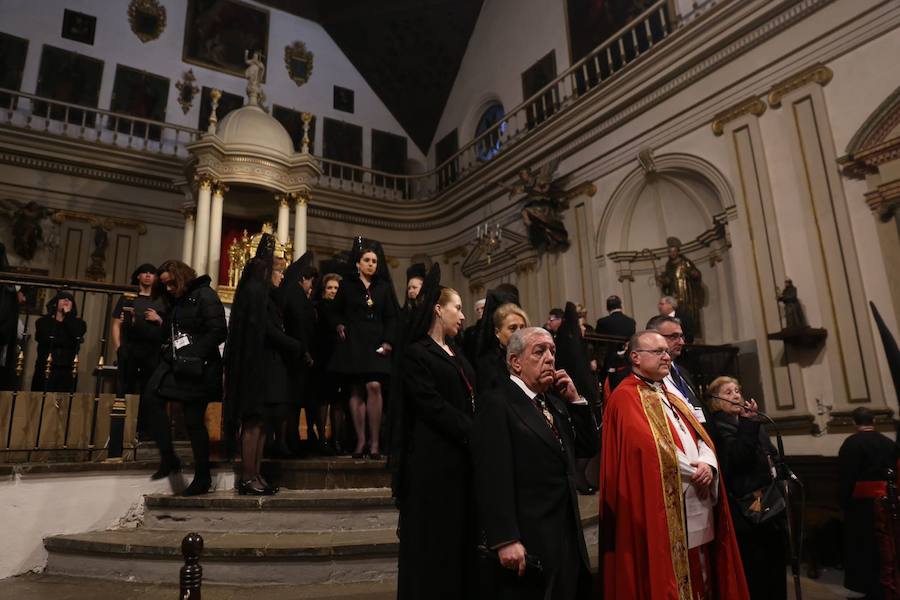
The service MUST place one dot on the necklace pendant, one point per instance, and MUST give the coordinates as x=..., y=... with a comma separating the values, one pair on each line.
x=369, y=302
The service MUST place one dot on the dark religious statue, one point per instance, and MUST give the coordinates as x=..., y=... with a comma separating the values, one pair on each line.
x=28, y=233
x=682, y=280
x=793, y=312
x=544, y=201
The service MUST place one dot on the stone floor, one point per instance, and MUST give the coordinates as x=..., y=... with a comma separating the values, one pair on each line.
x=46, y=587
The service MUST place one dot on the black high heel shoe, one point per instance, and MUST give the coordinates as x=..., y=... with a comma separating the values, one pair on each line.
x=270, y=489
x=166, y=468
x=199, y=486
x=248, y=488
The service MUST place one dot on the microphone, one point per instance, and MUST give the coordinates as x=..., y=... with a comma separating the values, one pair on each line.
x=780, y=462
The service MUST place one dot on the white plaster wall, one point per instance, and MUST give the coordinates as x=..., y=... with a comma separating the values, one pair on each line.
x=34, y=507
x=41, y=23
x=509, y=37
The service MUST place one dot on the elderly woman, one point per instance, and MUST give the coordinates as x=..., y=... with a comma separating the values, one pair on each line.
x=745, y=457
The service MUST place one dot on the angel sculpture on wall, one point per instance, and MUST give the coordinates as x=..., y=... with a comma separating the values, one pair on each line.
x=27, y=222
x=541, y=213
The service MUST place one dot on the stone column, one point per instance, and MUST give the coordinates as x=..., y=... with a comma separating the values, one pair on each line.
x=187, y=245
x=201, y=235
x=301, y=200
x=215, y=231
x=284, y=216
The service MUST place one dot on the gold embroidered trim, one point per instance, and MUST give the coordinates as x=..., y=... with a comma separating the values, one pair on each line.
x=671, y=483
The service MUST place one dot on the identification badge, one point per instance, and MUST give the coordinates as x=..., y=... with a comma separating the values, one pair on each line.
x=181, y=341
x=698, y=412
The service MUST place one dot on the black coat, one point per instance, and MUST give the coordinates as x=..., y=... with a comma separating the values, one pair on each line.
x=616, y=324
x=491, y=368
x=525, y=483
x=200, y=314
x=282, y=355
x=366, y=327
x=437, y=511
x=62, y=339
x=687, y=326
x=864, y=456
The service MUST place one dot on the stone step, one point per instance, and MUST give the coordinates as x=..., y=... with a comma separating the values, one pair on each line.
x=289, y=510
x=34, y=586
x=326, y=473
x=236, y=558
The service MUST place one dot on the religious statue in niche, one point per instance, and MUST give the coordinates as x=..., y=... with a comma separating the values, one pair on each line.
x=541, y=213
x=793, y=312
x=28, y=226
x=682, y=280
x=97, y=269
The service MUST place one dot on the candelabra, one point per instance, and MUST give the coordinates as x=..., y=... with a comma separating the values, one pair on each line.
x=488, y=239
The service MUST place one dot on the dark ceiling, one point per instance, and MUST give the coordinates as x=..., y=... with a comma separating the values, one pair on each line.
x=409, y=51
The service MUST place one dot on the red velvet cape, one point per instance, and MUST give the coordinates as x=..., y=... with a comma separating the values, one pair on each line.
x=642, y=533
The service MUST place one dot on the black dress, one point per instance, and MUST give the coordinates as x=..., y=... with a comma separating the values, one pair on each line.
x=743, y=447
x=367, y=326
x=864, y=456
x=437, y=511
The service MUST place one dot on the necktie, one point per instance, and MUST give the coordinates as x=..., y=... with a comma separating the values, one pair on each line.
x=540, y=403
x=680, y=383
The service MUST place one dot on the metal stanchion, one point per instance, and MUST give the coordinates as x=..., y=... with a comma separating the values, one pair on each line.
x=20, y=368
x=37, y=437
x=71, y=400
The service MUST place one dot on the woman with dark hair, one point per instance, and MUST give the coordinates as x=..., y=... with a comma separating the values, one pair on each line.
x=745, y=461
x=438, y=531
x=59, y=334
x=257, y=354
x=326, y=385
x=190, y=370
x=366, y=316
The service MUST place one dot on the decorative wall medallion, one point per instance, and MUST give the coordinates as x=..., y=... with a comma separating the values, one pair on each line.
x=186, y=90
x=147, y=19
x=299, y=62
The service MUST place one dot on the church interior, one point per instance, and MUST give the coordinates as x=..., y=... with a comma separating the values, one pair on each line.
x=576, y=149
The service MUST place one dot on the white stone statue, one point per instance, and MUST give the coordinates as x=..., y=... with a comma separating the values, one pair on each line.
x=254, y=73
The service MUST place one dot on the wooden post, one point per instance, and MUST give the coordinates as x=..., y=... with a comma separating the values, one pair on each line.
x=191, y=576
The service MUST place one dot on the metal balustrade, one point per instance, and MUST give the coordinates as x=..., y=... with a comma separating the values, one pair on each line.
x=594, y=71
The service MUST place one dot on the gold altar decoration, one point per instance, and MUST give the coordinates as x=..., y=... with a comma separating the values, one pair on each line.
x=240, y=252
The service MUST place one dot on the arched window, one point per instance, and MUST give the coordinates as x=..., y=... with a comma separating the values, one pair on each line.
x=489, y=146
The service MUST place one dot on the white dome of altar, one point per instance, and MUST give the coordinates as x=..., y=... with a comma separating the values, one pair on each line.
x=251, y=125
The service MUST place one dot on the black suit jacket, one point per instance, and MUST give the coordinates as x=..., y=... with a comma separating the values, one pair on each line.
x=687, y=326
x=525, y=476
x=616, y=324
x=695, y=400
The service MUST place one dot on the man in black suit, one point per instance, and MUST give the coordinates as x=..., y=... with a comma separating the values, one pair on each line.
x=668, y=307
x=678, y=381
x=616, y=323
x=525, y=437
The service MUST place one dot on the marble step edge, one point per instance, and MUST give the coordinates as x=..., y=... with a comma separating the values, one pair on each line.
x=137, y=543
x=292, y=500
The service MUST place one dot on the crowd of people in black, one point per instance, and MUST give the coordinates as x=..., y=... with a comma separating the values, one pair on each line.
x=489, y=429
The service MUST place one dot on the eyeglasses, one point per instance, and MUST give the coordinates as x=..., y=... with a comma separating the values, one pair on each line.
x=658, y=351
x=673, y=336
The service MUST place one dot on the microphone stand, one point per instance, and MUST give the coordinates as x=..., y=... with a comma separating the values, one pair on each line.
x=783, y=474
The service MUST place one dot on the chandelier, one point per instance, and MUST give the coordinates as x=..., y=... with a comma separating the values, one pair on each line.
x=488, y=239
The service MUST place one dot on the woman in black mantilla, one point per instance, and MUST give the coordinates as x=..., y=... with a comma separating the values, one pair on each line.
x=366, y=318
x=256, y=357
x=438, y=531
x=190, y=369
x=501, y=318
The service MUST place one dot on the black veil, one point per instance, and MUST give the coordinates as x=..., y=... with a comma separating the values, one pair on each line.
x=246, y=336
x=571, y=354
x=416, y=328
x=502, y=294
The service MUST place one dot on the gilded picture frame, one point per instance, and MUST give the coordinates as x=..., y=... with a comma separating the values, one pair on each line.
x=147, y=19
x=218, y=32
x=299, y=62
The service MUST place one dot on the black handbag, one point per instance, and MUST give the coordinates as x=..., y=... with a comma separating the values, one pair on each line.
x=185, y=366
x=762, y=505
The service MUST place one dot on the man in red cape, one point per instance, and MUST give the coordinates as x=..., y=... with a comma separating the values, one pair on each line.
x=651, y=545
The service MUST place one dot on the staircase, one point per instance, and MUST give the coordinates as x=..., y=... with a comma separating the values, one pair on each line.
x=331, y=535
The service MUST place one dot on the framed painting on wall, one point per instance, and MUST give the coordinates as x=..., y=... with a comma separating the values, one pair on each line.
x=79, y=27
x=218, y=32
x=139, y=94
x=68, y=77
x=13, y=51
